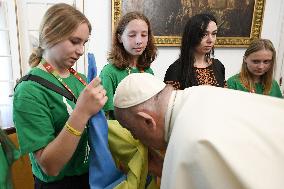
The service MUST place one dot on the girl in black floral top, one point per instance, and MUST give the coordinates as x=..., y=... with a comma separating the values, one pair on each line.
x=195, y=65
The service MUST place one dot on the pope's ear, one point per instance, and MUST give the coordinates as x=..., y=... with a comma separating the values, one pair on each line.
x=148, y=119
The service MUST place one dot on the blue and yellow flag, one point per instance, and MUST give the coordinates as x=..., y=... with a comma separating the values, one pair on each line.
x=103, y=172
x=109, y=141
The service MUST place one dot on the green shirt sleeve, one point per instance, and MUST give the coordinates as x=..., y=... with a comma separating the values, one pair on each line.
x=3, y=170
x=109, y=85
x=150, y=71
x=235, y=83
x=8, y=154
x=232, y=82
x=275, y=90
x=33, y=124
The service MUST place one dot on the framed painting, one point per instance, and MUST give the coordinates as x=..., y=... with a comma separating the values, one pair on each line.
x=239, y=21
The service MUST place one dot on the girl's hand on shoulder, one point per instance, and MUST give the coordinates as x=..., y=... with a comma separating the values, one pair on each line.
x=91, y=99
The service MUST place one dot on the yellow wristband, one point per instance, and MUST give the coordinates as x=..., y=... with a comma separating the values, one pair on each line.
x=72, y=130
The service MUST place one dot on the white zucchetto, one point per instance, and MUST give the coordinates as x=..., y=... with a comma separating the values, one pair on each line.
x=137, y=88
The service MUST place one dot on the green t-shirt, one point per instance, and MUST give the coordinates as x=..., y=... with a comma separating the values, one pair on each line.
x=4, y=170
x=8, y=154
x=40, y=114
x=111, y=77
x=235, y=83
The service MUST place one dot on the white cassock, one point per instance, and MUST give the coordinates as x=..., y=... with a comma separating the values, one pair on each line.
x=223, y=139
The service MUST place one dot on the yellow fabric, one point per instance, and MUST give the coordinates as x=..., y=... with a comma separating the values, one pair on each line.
x=131, y=154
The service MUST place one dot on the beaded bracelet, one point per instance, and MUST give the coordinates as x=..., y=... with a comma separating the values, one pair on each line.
x=72, y=130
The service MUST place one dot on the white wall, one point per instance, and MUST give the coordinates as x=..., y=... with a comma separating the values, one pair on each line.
x=99, y=13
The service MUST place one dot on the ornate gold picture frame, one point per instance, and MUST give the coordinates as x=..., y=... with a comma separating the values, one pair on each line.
x=239, y=21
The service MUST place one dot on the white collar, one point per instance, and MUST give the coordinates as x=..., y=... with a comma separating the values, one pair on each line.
x=169, y=115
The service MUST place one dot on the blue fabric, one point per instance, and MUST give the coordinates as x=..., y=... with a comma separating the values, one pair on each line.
x=102, y=172
x=92, y=67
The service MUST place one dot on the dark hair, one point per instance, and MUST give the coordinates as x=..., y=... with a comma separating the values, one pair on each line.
x=119, y=56
x=193, y=33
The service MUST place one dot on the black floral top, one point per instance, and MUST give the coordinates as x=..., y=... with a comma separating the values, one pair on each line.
x=213, y=75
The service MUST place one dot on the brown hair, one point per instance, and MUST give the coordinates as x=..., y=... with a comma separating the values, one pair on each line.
x=118, y=55
x=246, y=77
x=58, y=23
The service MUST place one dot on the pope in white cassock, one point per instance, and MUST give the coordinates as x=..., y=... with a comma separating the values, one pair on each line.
x=214, y=138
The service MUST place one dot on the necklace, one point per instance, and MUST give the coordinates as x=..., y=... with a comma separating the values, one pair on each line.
x=55, y=73
x=252, y=91
x=128, y=69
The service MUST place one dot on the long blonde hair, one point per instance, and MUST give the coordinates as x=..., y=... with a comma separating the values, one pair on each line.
x=58, y=23
x=246, y=77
